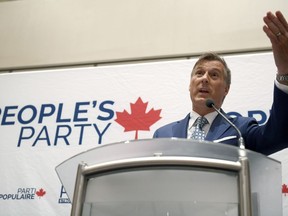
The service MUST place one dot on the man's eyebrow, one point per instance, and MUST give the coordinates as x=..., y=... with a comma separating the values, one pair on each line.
x=214, y=68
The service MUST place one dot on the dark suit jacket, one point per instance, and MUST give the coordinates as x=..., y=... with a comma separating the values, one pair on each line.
x=265, y=139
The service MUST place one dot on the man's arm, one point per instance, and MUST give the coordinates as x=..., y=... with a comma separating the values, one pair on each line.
x=276, y=29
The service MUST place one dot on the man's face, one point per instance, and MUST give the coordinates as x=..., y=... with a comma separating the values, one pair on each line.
x=208, y=81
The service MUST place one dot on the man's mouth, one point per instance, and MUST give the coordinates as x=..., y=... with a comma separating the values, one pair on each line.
x=203, y=90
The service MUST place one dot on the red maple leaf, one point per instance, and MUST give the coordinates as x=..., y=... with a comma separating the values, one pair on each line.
x=40, y=193
x=138, y=119
x=284, y=189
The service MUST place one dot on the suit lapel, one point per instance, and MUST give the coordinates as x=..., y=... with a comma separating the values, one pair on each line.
x=218, y=128
x=180, y=129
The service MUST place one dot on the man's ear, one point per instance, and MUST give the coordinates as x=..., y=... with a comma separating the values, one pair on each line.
x=227, y=88
x=189, y=87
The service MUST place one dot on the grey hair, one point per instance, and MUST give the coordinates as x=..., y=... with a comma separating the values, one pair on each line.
x=210, y=56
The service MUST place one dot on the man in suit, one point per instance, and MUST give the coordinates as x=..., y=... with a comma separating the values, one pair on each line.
x=210, y=79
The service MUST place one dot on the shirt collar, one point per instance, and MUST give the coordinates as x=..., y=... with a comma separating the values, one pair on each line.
x=210, y=117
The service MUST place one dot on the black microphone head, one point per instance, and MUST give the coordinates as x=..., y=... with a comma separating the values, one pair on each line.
x=210, y=103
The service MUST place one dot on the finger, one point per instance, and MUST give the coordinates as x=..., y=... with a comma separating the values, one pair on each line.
x=275, y=25
x=270, y=24
x=270, y=34
x=282, y=19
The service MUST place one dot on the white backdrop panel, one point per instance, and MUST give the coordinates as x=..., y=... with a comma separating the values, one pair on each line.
x=48, y=116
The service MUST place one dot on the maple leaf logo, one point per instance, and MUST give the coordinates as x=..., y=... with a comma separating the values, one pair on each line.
x=40, y=193
x=138, y=119
x=284, y=189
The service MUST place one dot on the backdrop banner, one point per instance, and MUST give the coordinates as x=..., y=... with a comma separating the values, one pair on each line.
x=49, y=116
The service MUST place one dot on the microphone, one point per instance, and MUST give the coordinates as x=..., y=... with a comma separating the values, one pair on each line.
x=210, y=103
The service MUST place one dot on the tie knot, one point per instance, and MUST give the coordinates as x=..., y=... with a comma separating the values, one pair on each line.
x=200, y=122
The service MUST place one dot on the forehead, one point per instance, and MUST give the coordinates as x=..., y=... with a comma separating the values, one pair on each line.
x=209, y=65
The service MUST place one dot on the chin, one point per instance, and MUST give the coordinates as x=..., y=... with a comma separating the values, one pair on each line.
x=203, y=99
x=200, y=101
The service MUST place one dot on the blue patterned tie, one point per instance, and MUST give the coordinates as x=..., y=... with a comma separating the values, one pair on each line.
x=198, y=133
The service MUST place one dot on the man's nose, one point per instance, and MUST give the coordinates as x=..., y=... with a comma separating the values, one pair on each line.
x=205, y=76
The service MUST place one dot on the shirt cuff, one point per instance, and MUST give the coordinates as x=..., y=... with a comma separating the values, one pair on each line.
x=282, y=87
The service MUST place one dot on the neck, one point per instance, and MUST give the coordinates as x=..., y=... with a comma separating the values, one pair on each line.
x=202, y=110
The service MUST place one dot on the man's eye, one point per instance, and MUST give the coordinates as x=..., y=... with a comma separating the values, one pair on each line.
x=215, y=75
x=198, y=73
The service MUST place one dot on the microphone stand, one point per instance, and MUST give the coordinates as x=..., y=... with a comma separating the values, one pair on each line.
x=241, y=143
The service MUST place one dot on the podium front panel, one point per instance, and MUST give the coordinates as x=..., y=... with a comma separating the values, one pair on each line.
x=165, y=190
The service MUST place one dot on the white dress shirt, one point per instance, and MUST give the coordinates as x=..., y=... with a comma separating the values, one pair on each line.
x=282, y=87
x=193, y=116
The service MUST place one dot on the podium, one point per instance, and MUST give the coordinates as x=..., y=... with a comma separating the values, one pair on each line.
x=167, y=177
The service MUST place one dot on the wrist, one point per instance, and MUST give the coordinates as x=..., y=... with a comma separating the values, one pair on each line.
x=282, y=78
